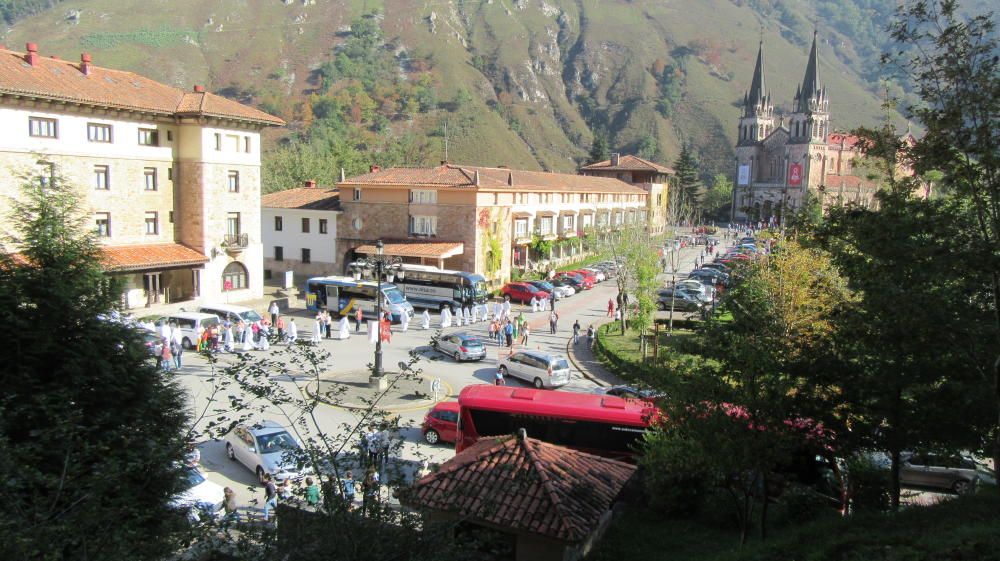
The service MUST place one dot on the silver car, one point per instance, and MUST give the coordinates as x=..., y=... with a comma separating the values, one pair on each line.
x=956, y=473
x=266, y=448
x=542, y=369
x=461, y=346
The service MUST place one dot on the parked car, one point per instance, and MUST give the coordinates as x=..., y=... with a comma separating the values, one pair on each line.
x=562, y=283
x=461, y=346
x=191, y=324
x=543, y=370
x=721, y=267
x=200, y=498
x=153, y=342
x=955, y=473
x=598, y=273
x=266, y=447
x=441, y=423
x=522, y=292
x=681, y=302
x=574, y=281
x=585, y=282
x=229, y=312
x=586, y=274
x=709, y=276
x=560, y=291
x=694, y=285
x=629, y=392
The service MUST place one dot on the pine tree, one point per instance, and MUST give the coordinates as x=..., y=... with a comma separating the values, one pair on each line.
x=599, y=150
x=687, y=181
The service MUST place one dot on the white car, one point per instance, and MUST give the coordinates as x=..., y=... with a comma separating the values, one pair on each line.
x=598, y=274
x=695, y=286
x=200, y=498
x=541, y=369
x=266, y=447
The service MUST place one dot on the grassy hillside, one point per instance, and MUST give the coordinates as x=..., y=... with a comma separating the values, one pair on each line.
x=533, y=79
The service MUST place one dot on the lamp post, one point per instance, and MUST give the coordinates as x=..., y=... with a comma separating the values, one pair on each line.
x=378, y=265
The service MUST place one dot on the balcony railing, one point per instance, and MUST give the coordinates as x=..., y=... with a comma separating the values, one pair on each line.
x=235, y=243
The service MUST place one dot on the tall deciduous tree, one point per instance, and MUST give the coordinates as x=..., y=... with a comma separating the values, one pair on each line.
x=91, y=432
x=952, y=59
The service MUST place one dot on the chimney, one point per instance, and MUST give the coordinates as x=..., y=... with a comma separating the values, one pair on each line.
x=310, y=184
x=199, y=89
x=510, y=178
x=85, y=64
x=615, y=158
x=476, y=180
x=343, y=177
x=374, y=168
x=32, y=56
x=444, y=162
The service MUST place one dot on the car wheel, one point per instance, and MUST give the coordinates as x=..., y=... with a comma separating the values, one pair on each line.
x=260, y=475
x=186, y=343
x=230, y=453
x=538, y=383
x=661, y=306
x=503, y=371
x=458, y=356
x=432, y=437
x=961, y=487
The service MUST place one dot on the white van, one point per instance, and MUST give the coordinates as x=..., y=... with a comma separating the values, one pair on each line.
x=188, y=322
x=229, y=312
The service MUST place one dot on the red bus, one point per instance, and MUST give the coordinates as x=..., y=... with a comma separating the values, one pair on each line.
x=598, y=424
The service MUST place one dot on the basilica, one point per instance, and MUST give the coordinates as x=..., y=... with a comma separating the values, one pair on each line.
x=781, y=161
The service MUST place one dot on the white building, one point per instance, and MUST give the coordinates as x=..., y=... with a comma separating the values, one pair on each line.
x=170, y=178
x=299, y=231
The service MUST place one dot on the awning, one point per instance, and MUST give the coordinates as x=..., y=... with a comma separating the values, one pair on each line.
x=436, y=250
x=150, y=257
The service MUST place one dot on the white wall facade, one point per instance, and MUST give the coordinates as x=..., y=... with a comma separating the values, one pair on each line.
x=292, y=240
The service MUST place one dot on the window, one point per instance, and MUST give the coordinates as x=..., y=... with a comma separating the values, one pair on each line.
x=278, y=224
x=101, y=178
x=149, y=176
x=170, y=174
x=423, y=196
x=305, y=225
x=246, y=144
x=218, y=142
x=40, y=126
x=170, y=136
x=149, y=137
x=279, y=253
x=423, y=225
x=567, y=222
x=520, y=227
x=234, y=141
x=306, y=255
x=170, y=217
x=97, y=132
x=357, y=194
x=545, y=225
x=233, y=223
x=234, y=182
x=152, y=223
x=103, y=222
x=322, y=226
x=234, y=277
x=588, y=220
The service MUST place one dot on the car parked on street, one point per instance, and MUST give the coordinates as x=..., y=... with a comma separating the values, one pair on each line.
x=230, y=312
x=584, y=281
x=546, y=286
x=266, y=447
x=694, y=285
x=541, y=369
x=955, y=473
x=191, y=324
x=441, y=423
x=153, y=342
x=200, y=498
x=598, y=273
x=709, y=276
x=522, y=292
x=461, y=346
x=629, y=392
x=586, y=274
x=681, y=302
x=574, y=281
x=561, y=283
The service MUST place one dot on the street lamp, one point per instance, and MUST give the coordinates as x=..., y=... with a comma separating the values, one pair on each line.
x=380, y=265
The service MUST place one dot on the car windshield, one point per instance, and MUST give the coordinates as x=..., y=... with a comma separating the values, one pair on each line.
x=471, y=342
x=560, y=364
x=276, y=442
x=530, y=288
x=544, y=285
x=250, y=316
x=394, y=296
x=194, y=477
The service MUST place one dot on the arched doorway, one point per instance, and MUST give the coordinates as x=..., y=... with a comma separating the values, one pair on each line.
x=235, y=277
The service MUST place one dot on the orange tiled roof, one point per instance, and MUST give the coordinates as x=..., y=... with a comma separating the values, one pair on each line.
x=836, y=138
x=307, y=198
x=834, y=181
x=490, y=179
x=64, y=81
x=525, y=485
x=628, y=162
x=142, y=257
x=417, y=249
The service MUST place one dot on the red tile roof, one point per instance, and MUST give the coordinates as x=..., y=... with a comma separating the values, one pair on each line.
x=838, y=138
x=64, y=81
x=417, y=249
x=450, y=175
x=834, y=181
x=141, y=257
x=525, y=485
x=306, y=198
x=628, y=162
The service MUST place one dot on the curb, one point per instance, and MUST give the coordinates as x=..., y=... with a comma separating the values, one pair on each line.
x=586, y=373
x=423, y=404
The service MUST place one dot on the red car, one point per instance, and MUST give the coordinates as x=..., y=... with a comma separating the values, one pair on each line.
x=589, y=275
x=522, y=292
x=441, y=423
x=585, y=281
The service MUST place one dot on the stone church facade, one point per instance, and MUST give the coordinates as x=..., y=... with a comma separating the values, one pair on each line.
x=781, y=161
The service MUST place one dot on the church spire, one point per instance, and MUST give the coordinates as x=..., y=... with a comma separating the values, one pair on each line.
x=810, y=90
x=756, y=97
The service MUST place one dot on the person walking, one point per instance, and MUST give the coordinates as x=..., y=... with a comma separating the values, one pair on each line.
x=328, y=320
x=359, y=316
x=293, y=331
x=270, y=496
x=166, y=359
x=590, y=336
x=492, y=329
x=553, y=322
x=273, y=310
x=350, y=490
x=525, y=332
x=498, y=378
x=176, y=349
x=576, y=332
x=611, y=308
x=508, y=332
x=229, y=506
x=371, y=488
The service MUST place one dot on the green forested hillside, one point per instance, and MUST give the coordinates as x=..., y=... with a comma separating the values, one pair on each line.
x=525, y=83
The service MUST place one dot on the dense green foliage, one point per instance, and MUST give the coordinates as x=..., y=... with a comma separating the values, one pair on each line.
x=13, y=10
x=687, y=182
x=91, y=432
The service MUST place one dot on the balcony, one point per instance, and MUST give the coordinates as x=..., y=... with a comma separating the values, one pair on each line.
x=545, y=234
x=234, y=244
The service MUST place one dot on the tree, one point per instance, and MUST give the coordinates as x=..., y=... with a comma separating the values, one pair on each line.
x=719, y=196
x=648, y=147
x=92, y=433
x=599, y=150
x=952, y=60
x=687, y=182
x=638, y=265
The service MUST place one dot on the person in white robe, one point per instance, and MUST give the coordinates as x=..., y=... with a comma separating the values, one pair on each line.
x=292, y=332
x=264, y=343
x=534, y=304
x=248, y=343
x=475, y=313
x=373, y=331
x=317, y=330
x=404, y=321
x=496, y=310
x=506, y=309
x=445, y=317
x=165, y=330
x=227, y=338
x=344, y=328
x=468, y=316
x=425, y=320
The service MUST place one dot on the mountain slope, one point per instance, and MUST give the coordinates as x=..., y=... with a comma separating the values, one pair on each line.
x=524, y=83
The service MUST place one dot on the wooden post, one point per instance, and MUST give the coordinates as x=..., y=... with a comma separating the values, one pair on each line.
x=656, y=340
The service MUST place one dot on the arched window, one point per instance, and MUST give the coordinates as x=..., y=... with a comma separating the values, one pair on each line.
x=234, y=277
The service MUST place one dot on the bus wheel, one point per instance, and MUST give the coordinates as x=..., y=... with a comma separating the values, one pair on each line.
x=538, y=383
x=432, y=437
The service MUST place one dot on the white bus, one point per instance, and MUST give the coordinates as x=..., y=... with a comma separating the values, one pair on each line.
x=433, y=288
x=344, y=295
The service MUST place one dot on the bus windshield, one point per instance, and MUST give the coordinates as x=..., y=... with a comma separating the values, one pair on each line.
x=481, y=291
x=394, y=296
